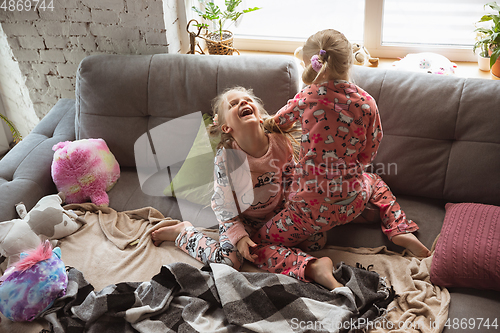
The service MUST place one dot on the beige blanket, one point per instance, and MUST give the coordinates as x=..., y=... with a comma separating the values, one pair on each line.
x=116, y=246
x=420, y=307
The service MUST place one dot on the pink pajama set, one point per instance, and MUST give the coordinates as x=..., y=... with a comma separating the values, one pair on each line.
x=341, y=132
x=258, y=184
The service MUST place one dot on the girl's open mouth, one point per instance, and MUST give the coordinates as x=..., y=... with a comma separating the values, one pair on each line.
x=246, y=111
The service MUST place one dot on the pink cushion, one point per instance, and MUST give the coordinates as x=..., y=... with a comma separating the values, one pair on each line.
x=467, y=252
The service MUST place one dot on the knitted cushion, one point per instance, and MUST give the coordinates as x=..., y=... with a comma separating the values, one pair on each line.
x=467, y=252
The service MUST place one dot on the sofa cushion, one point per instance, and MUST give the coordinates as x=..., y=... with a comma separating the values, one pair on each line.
x=25, y=170
x=119, y=98
x=428, y=214
x=440, y=134
x=479, y=308
x=467, y=252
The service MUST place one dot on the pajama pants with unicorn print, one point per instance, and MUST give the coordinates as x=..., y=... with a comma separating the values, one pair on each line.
x=277, y=241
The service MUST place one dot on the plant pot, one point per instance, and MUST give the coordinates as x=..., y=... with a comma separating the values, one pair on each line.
x=216, y=45
x=483, y=63
x=495, y=69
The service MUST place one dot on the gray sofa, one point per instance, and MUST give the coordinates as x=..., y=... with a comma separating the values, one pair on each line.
x=441, y=141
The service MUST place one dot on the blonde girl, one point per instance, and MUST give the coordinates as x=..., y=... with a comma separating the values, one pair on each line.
x=341, y=132
x=252, y=164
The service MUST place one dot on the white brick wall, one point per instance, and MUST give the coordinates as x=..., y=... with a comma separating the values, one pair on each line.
x=49, y=45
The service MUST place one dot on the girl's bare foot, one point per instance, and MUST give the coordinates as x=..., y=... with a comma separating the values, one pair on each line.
x=321, y=271
x=168, y=233
x=411, y=242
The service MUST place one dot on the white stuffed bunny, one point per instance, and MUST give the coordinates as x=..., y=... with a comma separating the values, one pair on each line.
x=47, y=220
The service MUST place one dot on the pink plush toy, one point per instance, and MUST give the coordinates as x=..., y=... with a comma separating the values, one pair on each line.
x=84, y=169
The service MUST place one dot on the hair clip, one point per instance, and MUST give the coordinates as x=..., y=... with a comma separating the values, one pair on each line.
x=215, y=120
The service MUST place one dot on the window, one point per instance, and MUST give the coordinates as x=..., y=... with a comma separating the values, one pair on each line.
x=398, y=27
x=388, y=28
x=283, y=25
x=444, y=22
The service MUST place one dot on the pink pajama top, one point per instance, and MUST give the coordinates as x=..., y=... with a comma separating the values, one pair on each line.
x=341, y=132
x=257, y=183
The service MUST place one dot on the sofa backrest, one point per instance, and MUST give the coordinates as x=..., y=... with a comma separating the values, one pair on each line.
x=119, y=98
x=441, y=134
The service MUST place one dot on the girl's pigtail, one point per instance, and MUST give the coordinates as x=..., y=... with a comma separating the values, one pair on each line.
x=215, y=131
x=317, y=68
x=293, y=134
x=271, y=126
x=309, y=75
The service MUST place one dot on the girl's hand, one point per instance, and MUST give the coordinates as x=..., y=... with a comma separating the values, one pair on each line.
x=244, y=246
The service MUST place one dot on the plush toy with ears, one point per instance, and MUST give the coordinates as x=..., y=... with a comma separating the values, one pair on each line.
x=84, y=170
x=426, y=62
x=47, y=220
x=361, y=55
x=33, y=284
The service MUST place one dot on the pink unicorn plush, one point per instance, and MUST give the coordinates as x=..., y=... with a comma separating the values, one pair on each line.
x=33, y=284
x=84, y=170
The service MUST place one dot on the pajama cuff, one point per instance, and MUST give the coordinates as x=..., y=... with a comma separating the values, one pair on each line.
x=301, y=273
x=182, y=233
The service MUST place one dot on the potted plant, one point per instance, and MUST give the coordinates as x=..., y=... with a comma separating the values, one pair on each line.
x=219, y=40
x=490, y=38
x=483, y=57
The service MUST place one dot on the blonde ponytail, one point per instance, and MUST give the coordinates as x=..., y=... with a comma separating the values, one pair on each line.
x=293, y=134
x=337, y=61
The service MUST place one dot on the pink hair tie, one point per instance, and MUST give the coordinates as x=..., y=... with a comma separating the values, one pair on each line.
x=315, y=63
x=315, y=60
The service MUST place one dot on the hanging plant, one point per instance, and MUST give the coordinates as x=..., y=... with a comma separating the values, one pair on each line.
x=15, y=133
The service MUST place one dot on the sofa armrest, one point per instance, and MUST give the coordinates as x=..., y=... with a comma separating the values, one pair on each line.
x=25, y=169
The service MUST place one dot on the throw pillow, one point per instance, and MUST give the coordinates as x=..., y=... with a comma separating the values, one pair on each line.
x=467, y=251
x=195, y=180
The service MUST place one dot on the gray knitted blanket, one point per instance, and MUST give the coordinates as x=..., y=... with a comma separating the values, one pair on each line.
x=182, y=298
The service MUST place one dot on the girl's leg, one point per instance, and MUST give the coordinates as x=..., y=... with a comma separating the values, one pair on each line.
x=321, y=271
x=207, y=250
x=315, y=242
x=287, y=228
x=169, y=233
x=198, y=245
x=394, y=222
x=295, y=263
x=300, y=222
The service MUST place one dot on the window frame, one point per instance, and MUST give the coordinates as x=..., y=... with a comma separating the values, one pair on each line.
x=372, y=40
